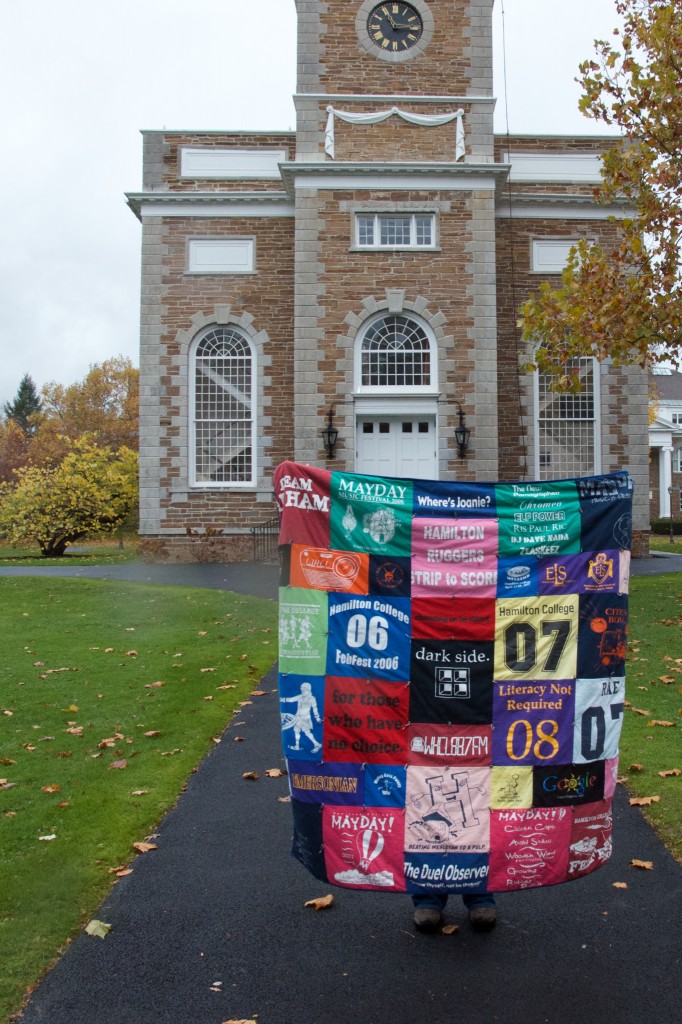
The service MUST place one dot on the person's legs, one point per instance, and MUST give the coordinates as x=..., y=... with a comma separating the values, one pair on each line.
x=428, y=913
x=482, y=912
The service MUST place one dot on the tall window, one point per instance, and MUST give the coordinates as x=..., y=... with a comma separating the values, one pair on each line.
x=395, y=354
x=567, y=428
x=677, y=460
x=223, y=419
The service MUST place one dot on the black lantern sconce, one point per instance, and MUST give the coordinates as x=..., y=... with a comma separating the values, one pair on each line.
x=462, y=434
x=330, y=434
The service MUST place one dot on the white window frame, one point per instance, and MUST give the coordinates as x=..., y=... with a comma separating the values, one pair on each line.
x=395, y=214
x=677, y=460
x=236, y=485
x=544, y=469
x=401, y=389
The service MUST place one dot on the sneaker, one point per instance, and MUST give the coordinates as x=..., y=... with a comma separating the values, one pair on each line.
x=482, y=919
x=427, y=919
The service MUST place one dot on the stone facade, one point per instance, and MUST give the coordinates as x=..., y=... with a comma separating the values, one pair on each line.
x=310, y=289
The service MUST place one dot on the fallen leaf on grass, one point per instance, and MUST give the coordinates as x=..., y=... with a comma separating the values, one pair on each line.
x=131, y=654
x=643, y=865
x=251, y=775
x=620, y=885
x=63, y=803
x=153, y=732
x=207, y=670
x=643, y=801
x=636, y=768
x=63, y=754
x=118, y=764
x=321, y=903
x=275, y=773
x=139, y=792
x=75, y=730
x=47, y=839
x=169, y=753
x=7, y=760
x=53, y=788
x=98, y=928
x=667, y=725
x=5, y=784
x=639, y=711
x=667, y=679
x=671, y=771
x=154, y=686
x=144, y=847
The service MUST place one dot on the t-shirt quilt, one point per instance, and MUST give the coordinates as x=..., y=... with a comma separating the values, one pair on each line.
x=452, y=672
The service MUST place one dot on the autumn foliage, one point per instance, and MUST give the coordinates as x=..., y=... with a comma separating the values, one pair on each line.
x=625, y=302
x=91, y=491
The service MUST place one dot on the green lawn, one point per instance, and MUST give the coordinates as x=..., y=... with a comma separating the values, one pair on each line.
x=654, y=693
x=110, y=694
x=659, y=543
x=87, y=553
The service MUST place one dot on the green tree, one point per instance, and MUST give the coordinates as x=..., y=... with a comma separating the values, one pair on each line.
x=92, y=491
x=26, y=408
x=625, y=301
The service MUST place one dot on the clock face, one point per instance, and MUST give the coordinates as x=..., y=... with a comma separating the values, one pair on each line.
x=394, y=27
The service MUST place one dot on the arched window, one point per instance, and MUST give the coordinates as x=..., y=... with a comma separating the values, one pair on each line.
x=567, y=426
x=395, y=353
x=222, y=413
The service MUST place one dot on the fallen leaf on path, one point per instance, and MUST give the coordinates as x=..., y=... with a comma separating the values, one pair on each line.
x=284, y=799
x=239, y=739
x=240, y=1021
x=449, y=929
x=144, y=847
x=671, y=771
x=643, y=865
x=258, y=693
x=644, y=801
x=251, y=775
x=321, y=903
x=98, y=928
x=275, y=773
x=620, y=885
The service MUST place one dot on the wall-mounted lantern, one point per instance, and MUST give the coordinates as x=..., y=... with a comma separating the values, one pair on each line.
x=462, y=434
x=330, y=434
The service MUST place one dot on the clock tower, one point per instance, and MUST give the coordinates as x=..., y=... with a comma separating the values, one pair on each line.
x=394, y=186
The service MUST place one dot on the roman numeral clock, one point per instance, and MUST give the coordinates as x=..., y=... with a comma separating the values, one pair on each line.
x=394, y=31
x=395, y=27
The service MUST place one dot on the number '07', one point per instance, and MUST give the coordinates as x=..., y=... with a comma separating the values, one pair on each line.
x=373, y=632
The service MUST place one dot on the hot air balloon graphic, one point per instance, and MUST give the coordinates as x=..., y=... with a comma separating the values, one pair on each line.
x=370, y=844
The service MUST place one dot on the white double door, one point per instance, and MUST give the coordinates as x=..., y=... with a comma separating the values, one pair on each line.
x=397, y=446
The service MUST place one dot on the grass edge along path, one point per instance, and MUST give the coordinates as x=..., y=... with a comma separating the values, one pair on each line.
x=110, y=695
x=650, y=740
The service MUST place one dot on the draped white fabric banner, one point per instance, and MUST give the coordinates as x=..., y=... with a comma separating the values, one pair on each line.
x=377, y=116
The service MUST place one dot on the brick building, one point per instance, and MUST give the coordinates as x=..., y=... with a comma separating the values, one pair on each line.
x=363, y=273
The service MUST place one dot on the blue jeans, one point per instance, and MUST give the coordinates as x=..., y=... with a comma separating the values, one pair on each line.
x=437, y=900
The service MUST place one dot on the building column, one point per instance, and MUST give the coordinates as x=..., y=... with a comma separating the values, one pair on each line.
x=665, y=479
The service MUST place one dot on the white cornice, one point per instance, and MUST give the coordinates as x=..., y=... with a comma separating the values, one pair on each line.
x=457, y=177
x=557, y=206
x=210, y=204
x=351, y=97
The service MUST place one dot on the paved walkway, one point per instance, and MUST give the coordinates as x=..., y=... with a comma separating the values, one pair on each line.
x=211, y=927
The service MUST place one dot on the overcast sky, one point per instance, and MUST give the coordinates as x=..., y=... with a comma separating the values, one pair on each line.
x=79, y=80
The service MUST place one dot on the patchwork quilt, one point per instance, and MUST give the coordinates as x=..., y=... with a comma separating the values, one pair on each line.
x=452, y=671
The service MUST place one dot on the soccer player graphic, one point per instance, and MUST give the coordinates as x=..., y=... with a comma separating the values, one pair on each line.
x=301, y=721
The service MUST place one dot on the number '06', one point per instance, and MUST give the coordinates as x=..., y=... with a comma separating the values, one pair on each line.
x=373, y=632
